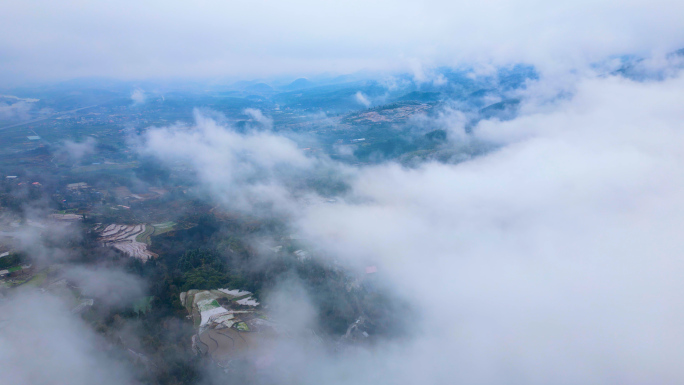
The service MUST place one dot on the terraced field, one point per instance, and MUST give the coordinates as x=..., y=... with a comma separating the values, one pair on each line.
x=128, y=239
x=227, y=329
x=144, y=237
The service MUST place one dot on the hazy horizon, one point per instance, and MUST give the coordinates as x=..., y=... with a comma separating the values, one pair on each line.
x=133, y=41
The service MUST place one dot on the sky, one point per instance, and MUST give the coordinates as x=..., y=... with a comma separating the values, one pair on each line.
x=48, y=41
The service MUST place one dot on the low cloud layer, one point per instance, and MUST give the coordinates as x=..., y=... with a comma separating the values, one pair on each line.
x=15, y=111
x=110, y=287
x=138, y=96
x=554, y=259
x=74, y=152
x=41, y=342
x=43, y=338
x=242, y=171
x=362, y=99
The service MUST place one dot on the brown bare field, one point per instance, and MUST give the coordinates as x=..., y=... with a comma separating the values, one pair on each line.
x=229, y=344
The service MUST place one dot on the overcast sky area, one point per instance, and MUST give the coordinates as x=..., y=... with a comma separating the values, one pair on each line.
x=44, y=40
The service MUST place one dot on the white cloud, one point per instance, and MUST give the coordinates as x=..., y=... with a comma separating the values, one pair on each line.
x=238, y=170
x=41, y=340
x=42, y=343
x=362, y=99
x=556, y=259
x=110, y=287
x=138, y=96
x=75, y=151
x=11, y=111
x=263, y=121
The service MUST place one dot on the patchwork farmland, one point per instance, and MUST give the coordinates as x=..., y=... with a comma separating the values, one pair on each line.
x=227, y=328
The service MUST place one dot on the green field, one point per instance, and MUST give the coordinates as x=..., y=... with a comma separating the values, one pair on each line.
x=208, y=306
x=143, y=305
x=161, y=228
x=241, y=326
x=38, y=279
x=144, y=237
